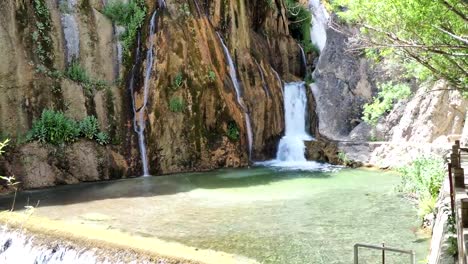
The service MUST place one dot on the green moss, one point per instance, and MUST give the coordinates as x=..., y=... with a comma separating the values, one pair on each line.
x=176, y=104
x=233, y=131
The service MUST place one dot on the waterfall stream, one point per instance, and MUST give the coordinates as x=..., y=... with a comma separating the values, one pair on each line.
x=303, y=57
x=319, y=26
x=71, y=32
x=235, y=81
x=291, y=148
x=139, y=120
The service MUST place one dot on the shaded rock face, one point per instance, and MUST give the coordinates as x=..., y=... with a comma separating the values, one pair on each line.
x=198, y=136
x=343, y=83
x=35, y=165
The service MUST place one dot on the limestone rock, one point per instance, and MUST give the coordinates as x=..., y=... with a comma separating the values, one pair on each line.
x=343, y=83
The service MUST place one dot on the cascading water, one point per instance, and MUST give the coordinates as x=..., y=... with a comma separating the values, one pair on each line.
x=139, y=122
x=118, y=32
x=303, y=57
x=235, y=81
x=16, y=247
x=291, y=148
x=319, y=22
x=71, y=33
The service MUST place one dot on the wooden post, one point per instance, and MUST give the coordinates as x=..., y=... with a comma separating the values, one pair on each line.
x=452, y=194
x=459, y=177
x=454, y=157
x=464, y=212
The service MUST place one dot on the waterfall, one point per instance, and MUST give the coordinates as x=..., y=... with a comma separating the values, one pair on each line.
x=71, y=33
x=139, y=122
x=303, y=57
x=235, y=81
x=291, y=146
x=319, y=23
x=118, y=32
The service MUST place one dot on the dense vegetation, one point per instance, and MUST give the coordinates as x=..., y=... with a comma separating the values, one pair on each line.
x=429, y=32
x=130, y=15
x=299, y=18
x=422, y=180
x=383, y=102
x=55, y=128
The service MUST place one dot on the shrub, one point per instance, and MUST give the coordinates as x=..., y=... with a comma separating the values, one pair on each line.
x=77, y=73
x=300, y=17
x=387, y=96
x=343, y=158
x=423, y=178
x=178, y=80
x=211, y=76
x=130, y=15
x=102, y=138
x=55, y=128
x=233, y=131
x=176, y=104
x=89, y=127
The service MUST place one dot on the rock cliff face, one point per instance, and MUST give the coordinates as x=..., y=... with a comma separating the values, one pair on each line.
x=343, y=83
x=41, y=39
x=428, y=123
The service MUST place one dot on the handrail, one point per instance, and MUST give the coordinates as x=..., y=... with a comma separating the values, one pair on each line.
x=383, y=248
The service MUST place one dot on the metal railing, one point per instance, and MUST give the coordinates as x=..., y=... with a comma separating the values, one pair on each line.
x=383, y=248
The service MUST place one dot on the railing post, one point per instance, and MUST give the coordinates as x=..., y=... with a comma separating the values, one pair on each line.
x=413, y=258
x=383, y=253
x=356, y=252
x=452, y=193
x=459, y=177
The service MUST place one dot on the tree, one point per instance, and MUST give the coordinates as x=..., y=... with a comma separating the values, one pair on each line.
x=433, y=33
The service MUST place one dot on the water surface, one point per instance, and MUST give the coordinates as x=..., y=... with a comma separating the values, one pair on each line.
x=271, y=215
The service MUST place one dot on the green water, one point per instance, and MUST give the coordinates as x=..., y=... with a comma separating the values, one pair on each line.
x=269, y=215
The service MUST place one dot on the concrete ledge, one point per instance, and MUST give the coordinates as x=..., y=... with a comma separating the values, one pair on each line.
x=110, y=241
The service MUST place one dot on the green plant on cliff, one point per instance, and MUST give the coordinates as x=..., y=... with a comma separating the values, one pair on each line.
x=178, y=80
x=388, y=94
x=89, y=127
x=184, y=9
x=102, y=138
x=233, y=131
x=176, y=104
x=299, y=18
x=77, y=73
x=40, y=36
x=211, y=76
x=55, y=128
x=130, y=15
x=430, y=33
